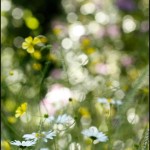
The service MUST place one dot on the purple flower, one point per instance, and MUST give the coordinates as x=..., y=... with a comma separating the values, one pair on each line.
x=144, y=26
x=127, y=5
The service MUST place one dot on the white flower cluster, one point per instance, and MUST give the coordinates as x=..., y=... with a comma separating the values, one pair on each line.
x=42, y=135
x=31, y=139
x=23, y=143
x=65, y=120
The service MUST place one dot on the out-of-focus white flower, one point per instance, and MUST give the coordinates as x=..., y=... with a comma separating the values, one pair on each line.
x=23, y=143
x=109, y=101
x=95, y=135
x=65, y=119
x=43, y=135
x=44, y=149
x=50, y=119
x=102, y=68
x=126, y=61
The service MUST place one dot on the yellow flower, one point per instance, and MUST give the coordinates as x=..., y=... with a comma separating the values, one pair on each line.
x=11, y=73
x=11, y=119
x=84, y=111
x=145, y=90
x=21, y=110
x=57, y=31
x=90, y=50
x=29, y=43
x=85, y=42
x=42, y=38
x=5, y=145
x=37, y=66
x=52, y=57
x=10, y=105
x=37, y=55
x=109, y=100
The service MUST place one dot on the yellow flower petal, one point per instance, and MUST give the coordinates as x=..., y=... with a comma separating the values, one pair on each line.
x=21, y=110
x=37, y=55
x=42, y=38
x=11, y=119
x=25, y=45
x=37, y=66
x=109, y=100
x=5, y=145
x=29, y=39
x=36, y=40
x=17, y=115
x=24, y=106
x=30, y=49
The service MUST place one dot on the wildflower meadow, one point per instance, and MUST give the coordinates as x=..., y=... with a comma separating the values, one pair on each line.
x=74, y=75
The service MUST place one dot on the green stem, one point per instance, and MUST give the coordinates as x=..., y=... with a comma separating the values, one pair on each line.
x=145, y=139
x=64, y=65
x=55, y=145
x=41, y=84
x=8, y=125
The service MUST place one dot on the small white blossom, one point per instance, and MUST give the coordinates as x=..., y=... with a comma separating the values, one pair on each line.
x=95, y=135
x=50, y=119
x=65, y=120
x=44, y=149
x=23, y=143
x=109, y=101
x=43, y=135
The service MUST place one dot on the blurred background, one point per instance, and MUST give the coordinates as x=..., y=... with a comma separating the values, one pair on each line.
x=98, y=49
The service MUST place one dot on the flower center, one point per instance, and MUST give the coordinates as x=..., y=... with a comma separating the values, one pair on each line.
x=93, y=137
x=39, y=135
x=109, y=100
x=22, y=147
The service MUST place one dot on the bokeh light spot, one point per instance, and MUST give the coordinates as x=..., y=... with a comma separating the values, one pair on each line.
x=76, y=31
x=4, y=22
x=67, y=43
x=32, y=23
x=72, y=17
x=87, y=8
x=128, y=24
x=5, y=5
x=102, y=18
x=17, y=13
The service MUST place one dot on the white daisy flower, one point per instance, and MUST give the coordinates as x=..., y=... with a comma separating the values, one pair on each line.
x=23, y=144
x=44, y=149
x=109, y=101
x=65, y=120
x=43, y=135
x=61, y=122
x=95, y=135
x=50, y=119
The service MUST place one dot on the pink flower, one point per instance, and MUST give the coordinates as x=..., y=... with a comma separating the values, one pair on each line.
x=126, y=61
x=56, y=98
x=113, y=31
x=102, y=69
x=56, y=73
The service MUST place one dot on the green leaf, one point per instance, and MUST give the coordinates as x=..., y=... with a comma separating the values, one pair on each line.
x=136, y=146
x=46, y=47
